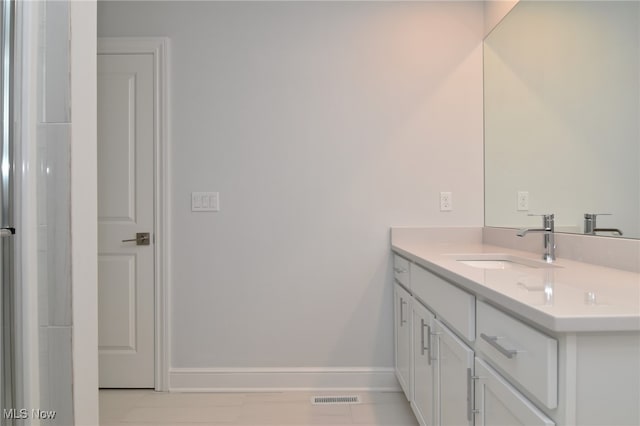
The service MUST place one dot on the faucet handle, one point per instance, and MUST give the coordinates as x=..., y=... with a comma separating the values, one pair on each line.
x=590, y=222
x=547, y=219
x=550, y=215
x=594, y=215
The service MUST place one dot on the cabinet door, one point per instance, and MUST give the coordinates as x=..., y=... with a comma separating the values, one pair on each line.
x=423, y=367
x=402, y=308
x=454, y=365
x=498, y=403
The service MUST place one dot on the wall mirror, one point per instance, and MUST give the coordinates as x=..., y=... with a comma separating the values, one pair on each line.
x=562, y=116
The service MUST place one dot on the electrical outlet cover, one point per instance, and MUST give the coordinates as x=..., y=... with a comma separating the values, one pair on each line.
x=446, y=201
x=523, y=201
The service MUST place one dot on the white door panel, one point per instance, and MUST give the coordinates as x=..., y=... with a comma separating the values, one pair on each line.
x=499, y=404
x=424, y=384
x=403, y=338
x=454, y=358
x=118, y=332
x=125, y=207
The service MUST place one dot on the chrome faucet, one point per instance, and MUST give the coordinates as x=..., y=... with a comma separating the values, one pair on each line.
x=549, y=236
x=590, y=227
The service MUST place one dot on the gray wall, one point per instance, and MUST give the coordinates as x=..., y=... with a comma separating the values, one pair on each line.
x=321, y=125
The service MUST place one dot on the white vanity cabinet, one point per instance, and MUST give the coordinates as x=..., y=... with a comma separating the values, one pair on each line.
x=436, y=362
x=424, y=373
x=493, y=347
x=402, y=326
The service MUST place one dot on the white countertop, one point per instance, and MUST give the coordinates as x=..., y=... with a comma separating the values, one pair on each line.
x=554, y=298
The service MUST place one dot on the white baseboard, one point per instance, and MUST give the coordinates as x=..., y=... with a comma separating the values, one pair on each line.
x=281, y=379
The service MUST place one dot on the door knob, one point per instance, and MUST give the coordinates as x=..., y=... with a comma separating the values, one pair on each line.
x=141, y=239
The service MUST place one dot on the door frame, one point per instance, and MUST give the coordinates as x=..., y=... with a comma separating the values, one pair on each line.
x=158, y=47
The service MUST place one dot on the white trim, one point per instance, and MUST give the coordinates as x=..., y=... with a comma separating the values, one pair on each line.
x=84, y=211
x=570, y=385
x=282, y=379
x=159, y=48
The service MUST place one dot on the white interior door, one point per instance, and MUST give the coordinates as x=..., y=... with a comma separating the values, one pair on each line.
x=125, y=208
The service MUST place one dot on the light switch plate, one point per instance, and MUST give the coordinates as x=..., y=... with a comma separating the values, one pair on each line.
x=205, y=202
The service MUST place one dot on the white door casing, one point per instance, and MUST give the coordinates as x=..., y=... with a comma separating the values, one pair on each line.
x=158, y=50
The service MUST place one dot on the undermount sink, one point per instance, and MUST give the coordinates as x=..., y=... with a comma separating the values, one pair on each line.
x=493, y=264
x=499, y=261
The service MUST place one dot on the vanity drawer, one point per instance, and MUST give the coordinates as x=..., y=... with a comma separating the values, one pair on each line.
x=401, y=271
x=528, y=356
x=452, y=305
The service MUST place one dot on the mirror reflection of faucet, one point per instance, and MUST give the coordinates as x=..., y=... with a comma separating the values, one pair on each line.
x=549, y=280
x=548, y=294
x=549, y=255
x=591, y=228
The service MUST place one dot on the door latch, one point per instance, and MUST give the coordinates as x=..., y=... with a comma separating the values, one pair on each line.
x=141, y=239
x=7, y=232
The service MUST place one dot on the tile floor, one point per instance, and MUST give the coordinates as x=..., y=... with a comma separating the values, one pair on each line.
x=146, y=407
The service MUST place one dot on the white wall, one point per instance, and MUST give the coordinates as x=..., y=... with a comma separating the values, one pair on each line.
x=321, y=124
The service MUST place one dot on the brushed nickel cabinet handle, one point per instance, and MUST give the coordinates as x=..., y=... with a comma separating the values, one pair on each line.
x=470, y=394
x=424, y=340
x=493, y=341
x=422, y=337
x=402, y=303
x=428, y=348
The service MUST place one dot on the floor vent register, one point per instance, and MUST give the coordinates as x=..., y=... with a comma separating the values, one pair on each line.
x=335, y=400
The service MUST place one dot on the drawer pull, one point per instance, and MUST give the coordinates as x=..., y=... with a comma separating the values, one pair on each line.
x=493, y=341
x=429, y=348
x=399, y=270
x=422, y=340
x=422, y=348
x=470, y=395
